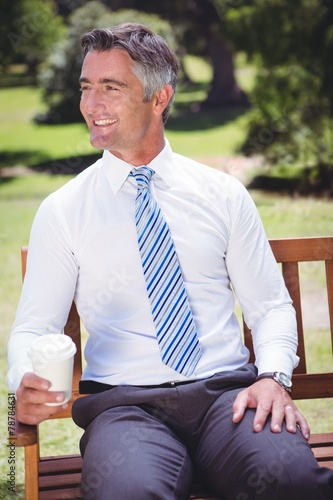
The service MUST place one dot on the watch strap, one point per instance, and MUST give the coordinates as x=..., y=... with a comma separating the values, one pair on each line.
x=266, y=375
x=274, y=376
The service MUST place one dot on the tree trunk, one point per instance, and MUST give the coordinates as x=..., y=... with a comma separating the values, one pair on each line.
x=224, y=89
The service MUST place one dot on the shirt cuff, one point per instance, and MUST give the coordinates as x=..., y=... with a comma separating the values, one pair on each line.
x=15, y=375
x=271, y=361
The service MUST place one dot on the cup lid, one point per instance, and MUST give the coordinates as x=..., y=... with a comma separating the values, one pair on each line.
x=52, y=347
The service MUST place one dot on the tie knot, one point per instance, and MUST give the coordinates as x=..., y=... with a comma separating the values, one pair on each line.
x=142, y=176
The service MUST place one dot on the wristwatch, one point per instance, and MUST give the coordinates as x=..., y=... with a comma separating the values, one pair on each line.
x=279, y=377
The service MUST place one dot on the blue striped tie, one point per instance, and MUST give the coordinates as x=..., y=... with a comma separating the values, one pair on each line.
x=175, y=329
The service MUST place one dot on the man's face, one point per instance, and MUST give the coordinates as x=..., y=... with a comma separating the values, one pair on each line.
x=112, y=104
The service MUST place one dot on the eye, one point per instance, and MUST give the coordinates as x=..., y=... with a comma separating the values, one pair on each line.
x=109, y=87
x=83, y=88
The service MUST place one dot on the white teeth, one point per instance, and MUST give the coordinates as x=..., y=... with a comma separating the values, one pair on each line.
x=104, y=122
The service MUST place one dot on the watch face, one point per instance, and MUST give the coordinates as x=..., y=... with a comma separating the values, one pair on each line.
x=284, y=379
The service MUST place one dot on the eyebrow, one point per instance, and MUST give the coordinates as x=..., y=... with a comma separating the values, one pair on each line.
x=104, y=81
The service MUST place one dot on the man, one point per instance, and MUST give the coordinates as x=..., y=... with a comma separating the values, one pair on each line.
x=155, y=416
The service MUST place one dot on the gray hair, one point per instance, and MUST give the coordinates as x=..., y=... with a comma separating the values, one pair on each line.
x=154, y=63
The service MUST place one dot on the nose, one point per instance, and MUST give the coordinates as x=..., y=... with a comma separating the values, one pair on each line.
x=92, y=101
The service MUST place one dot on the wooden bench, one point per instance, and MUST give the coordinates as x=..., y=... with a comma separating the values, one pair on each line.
x=54, y=478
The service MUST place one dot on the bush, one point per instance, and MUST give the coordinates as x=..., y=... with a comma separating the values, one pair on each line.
x=29, y=29
x=292, y=43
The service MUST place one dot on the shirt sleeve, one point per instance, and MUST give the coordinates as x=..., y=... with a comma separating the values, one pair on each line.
x=47, y=291
x=260, y=288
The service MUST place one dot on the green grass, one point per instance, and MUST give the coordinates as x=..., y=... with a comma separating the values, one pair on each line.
x=202, y=135
x=24, y=142
x=284, y=216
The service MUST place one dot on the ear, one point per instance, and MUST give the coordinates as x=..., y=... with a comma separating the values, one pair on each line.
x=162, y=99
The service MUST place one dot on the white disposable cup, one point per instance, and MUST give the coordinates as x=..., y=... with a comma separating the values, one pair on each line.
x=52, y=357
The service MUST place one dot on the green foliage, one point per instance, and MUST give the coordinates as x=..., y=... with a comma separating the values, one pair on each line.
x=9, y=12
x=60, y=74
x=292, y=119
x=29, y=29
x=293, y=97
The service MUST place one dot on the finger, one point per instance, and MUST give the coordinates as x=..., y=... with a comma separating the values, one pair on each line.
x=239, y=406
x=34, y=414
x=260, y=418
x=302, y=425
x=35, y=390
x=40, y=410
x=34, y=382
x=278, y=416
x=38, y=397
x=32, y=398
x=290, y=418
x=33, y=409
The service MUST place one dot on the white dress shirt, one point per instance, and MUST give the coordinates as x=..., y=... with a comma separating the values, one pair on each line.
x=83, y=246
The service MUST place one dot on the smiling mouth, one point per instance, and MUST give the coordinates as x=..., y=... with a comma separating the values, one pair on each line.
x=101, y=123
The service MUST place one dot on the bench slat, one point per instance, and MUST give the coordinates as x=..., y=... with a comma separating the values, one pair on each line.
x=312, y=386
x=323, y=454
x=64, y=494
x=54, y=465
x=302, y=249
x=324, y=439
x=59, y=481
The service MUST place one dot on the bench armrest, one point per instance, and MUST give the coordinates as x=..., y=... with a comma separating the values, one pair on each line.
x=25, y=435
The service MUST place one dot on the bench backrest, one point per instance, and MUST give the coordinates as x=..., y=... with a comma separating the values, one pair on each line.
x=290, y=253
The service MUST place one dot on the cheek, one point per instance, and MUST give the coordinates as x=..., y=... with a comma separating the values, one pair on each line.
x=84, y=112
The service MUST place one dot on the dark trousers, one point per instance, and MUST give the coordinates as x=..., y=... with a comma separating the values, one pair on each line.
x=148, y=443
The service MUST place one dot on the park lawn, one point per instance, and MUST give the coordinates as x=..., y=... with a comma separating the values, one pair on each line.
x=23, y=142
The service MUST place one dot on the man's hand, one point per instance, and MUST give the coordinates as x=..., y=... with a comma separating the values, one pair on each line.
x=32, y=395
x=267, y=397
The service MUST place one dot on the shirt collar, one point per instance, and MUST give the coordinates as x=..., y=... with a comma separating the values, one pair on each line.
x=117, y=170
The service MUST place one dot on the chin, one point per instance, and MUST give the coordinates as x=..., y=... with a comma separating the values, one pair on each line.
x=99, y=143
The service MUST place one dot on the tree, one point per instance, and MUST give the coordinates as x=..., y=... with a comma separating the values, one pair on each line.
x=201, y=29
x=28, y=31
x=292, y=121
x=208, y=19
x=9, y=12
x=59, y=76
x=197, y=24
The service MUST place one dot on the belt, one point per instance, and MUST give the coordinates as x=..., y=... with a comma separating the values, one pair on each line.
x=93, y=387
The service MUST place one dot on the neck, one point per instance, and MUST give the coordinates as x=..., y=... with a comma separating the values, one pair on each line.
x=142, y=154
